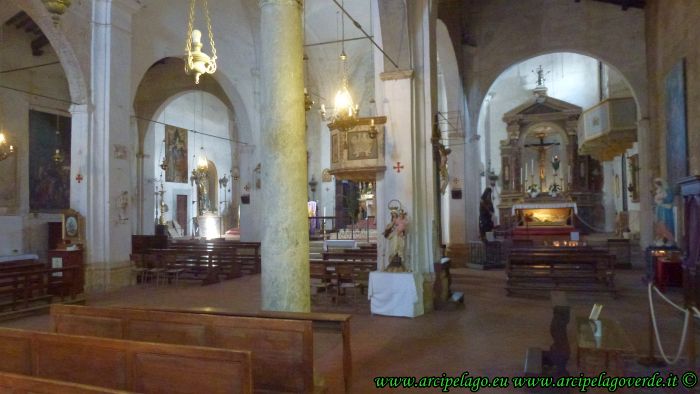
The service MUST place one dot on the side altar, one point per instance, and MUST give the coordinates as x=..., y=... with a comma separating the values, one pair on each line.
x=541, y=165
x=552, y=219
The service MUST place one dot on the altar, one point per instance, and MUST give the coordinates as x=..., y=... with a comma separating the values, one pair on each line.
x=548, y=219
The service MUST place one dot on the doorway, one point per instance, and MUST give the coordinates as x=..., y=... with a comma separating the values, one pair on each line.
x=181, y=212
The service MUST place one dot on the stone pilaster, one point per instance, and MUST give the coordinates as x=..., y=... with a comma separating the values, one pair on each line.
x=285, y=239
x=107, y=176
x=646, y=163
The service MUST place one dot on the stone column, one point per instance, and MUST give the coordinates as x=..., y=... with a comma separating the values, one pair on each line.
x=285, y=238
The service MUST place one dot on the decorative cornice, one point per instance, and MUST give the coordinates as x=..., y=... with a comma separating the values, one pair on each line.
x=395, y=75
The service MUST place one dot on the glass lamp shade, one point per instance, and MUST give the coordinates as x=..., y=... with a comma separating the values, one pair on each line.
x=344, y=105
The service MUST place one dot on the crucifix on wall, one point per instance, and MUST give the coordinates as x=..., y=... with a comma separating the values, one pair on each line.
x=541, y=148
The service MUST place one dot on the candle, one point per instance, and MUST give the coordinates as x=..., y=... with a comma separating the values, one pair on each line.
x=525, y=172
x=532, y=166
x=521, y=175
x=324, y=212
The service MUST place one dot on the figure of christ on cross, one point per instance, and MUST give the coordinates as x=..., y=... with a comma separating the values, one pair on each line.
x=541, y=148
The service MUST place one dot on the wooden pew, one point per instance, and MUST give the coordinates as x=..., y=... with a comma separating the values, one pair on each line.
x=25, y=291
x=23, y=384
x=282, y=349
x=125, y=365
x=560, y=269
x=334, y=322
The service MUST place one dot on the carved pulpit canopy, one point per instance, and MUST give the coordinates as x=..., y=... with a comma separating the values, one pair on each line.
x=358, y=153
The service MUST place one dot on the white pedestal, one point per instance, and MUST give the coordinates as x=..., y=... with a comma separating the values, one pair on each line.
x=396, y=293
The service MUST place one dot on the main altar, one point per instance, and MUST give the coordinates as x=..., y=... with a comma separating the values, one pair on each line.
x=547, y=187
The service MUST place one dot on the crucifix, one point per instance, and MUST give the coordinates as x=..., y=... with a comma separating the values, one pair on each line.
x=541, y=148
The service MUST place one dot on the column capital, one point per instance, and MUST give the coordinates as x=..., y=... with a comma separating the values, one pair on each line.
x=396, y=75
x=264, y=3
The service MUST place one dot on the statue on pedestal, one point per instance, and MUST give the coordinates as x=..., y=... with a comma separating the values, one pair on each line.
x=395, y=233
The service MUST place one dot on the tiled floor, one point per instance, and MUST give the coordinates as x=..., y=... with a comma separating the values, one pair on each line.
x=488, y=337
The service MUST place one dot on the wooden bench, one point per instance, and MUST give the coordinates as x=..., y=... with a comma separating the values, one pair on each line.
x=25, y=291
x=125, y=365
x=333, y=322
x=23, y=384
x=560, y=269
x=282, y=349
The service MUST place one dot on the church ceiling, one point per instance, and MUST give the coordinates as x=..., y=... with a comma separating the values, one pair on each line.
x=22, y=21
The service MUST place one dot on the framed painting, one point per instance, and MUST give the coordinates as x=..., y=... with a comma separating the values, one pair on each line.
x=49, y=174
x=72, y=226
x=335, y=148
x=176, y=154
x=676, y=126
x=8, y=178
x=361, y=146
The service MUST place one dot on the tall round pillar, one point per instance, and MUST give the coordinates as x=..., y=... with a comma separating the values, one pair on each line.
x=285, y=232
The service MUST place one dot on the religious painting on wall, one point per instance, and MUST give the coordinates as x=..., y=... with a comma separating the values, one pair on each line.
x=361, y=146
x=633, y=186
x=676, y=134
x=49, y=162
x=176, y=154
x=335, y=148
x=8, y=179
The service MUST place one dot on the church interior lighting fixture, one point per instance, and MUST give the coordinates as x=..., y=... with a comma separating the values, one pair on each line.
x=58, y=156
x=56, y=8
x=196, y=61
x=345, y=111
x=5, y=148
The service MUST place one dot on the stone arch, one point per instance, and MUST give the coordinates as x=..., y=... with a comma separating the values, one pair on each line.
x=162, y=83
x=77, y=85
x=638, y=88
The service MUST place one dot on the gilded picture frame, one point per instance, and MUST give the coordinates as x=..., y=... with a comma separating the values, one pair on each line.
x=72, y=226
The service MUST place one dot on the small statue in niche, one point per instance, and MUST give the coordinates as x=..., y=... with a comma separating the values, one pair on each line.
x=395, y=233
x=663, y=207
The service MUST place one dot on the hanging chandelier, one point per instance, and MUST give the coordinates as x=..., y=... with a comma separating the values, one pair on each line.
x=345, y=111
x=56, y=8
x=196, y=61
x=58, y=156
x=5, y=148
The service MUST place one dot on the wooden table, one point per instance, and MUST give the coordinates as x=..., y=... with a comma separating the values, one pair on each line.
x=612, y=344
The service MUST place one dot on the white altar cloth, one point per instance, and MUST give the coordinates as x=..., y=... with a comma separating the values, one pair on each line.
x=16, y=257
x=545, y=205
x=339, y=244
x=396, y=293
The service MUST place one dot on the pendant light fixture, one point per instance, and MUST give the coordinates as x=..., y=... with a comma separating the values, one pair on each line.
x=344, y=109
x=196, y=61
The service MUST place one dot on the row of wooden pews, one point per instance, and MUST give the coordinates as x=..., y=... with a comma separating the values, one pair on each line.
x=209, y=261
x=339, y=270
x=31, y=285
x=537, y=269
x=99, y=350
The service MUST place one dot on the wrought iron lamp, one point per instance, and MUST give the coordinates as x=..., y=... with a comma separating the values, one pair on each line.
x=56, y=8
x=196, y=61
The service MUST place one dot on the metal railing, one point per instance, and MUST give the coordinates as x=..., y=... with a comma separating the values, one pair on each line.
x=327, y=227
